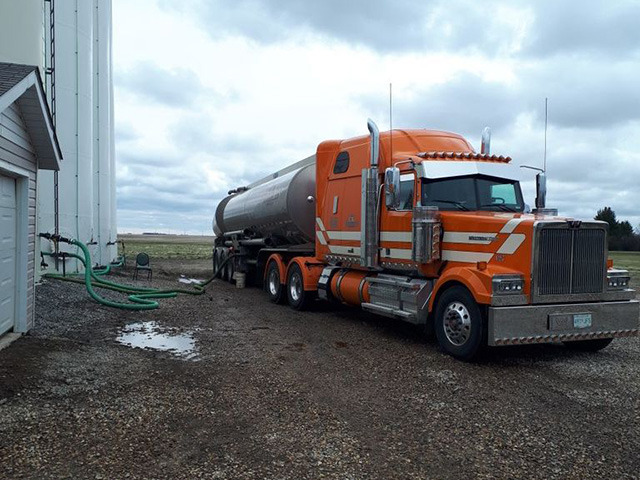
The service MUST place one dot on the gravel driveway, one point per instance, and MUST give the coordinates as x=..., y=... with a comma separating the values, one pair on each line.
x=256, y=390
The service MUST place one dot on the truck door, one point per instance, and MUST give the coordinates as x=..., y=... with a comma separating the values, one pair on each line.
x=340, y=217
x=395, y=225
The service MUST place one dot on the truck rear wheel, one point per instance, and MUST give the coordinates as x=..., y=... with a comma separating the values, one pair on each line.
x=299, y=299
x=459, y=324
x=273, y=285
x=589, y=345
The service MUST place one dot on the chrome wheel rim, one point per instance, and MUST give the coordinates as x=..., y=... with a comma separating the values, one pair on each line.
x=274, y=283
x=295, y=287
x=457, y=323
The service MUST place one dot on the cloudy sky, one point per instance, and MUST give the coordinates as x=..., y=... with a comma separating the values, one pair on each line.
x=213, y=94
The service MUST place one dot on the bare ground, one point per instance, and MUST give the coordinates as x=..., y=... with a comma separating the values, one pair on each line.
x=273, y=393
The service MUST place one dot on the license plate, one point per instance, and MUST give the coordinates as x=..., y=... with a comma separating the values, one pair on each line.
x=582, y=320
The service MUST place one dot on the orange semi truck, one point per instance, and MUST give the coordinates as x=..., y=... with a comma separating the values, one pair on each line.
x=417, y=226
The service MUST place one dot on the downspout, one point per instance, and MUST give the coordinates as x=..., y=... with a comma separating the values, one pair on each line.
x=369, y=203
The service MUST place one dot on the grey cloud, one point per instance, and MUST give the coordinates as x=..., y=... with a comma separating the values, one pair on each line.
x=598, y=26
x=581, y=95
x=411, y=25
x=252, y=156
x=463, y=105
x=177, y=87
x=385, y=26
x=134, y=220
x=584, y=92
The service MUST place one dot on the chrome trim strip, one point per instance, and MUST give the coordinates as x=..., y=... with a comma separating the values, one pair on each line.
x=466, y=257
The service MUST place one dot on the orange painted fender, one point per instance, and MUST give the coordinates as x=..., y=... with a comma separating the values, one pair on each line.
x=476, y=281
x=311, y=270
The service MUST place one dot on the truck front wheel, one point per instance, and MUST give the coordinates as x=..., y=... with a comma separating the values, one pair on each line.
x=273, y=286
x=459, y=324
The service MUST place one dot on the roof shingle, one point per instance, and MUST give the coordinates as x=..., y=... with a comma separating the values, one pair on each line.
x=11, y=74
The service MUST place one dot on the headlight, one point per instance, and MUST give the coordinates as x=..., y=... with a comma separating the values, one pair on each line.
x=618, y=279
x=507, y=284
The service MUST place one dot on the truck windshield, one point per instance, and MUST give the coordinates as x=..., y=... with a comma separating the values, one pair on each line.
x=474, y=192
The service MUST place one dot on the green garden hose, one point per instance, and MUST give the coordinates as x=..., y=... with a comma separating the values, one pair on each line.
x=139, y=296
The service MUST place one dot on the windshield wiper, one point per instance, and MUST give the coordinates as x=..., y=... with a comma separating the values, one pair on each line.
x=501, y=206
x=458, y=205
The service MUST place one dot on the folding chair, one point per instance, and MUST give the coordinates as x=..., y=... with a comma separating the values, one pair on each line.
x=142, y=263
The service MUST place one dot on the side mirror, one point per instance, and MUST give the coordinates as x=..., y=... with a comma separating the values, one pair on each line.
x=392, y=187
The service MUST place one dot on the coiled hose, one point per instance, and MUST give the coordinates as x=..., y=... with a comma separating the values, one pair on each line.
x=140, y=297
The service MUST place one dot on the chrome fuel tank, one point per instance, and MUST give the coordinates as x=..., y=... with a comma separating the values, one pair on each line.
x=275, y=207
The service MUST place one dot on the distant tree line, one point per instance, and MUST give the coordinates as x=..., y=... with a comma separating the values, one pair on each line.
x=621, y=234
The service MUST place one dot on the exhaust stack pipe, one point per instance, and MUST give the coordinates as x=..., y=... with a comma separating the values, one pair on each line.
x=369, y=203
x=485, y=148
x=375, y=143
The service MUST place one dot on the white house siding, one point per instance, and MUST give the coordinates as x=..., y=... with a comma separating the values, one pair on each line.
x=16, y=149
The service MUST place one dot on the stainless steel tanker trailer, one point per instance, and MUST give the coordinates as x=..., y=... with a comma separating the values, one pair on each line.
x=274, y=214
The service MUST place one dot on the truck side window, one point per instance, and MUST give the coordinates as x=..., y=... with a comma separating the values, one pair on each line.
x=406, y=192
x=342, y=163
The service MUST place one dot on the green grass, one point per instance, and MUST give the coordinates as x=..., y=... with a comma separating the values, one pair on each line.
x=629, y=261
x=167, y=246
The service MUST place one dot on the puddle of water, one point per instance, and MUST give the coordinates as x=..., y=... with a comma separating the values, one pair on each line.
x=149, y=335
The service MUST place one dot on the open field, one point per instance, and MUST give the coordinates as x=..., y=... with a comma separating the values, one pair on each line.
x=253, y=390
x=186, y=247
x=630, y=261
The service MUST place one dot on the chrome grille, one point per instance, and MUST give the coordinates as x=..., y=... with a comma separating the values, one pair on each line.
x=570, y=261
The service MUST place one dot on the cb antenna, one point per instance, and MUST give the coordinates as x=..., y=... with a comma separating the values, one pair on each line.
x=546, y=116
x=391, y=122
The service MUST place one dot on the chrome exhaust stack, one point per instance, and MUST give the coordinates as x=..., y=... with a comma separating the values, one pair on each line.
x=369, y=240
x=485, y=147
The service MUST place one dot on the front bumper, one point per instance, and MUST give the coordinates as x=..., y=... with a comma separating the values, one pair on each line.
x=554, y=323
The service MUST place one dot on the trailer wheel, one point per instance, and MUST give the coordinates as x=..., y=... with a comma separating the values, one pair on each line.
x=273, y=285
x=230, y=270
x=216, y=263
x=222, y=256
x=299, y=299
x=459, y=324
x=589, y=345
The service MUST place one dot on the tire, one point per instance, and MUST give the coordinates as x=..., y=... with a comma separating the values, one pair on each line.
x=589, y=345
x=222, y=256
x=298, y=298
x=273, y=285
x=216, y=262
x=230, y=270
x=459, y=324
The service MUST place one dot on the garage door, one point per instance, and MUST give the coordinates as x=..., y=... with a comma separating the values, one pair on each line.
x=8, y=227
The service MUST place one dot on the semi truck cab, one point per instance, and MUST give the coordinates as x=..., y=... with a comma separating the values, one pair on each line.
x=417, y=226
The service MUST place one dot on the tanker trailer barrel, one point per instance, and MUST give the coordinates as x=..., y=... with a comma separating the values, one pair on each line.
x=274, y=209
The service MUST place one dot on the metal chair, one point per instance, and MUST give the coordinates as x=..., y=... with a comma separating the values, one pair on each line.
x=142, y=263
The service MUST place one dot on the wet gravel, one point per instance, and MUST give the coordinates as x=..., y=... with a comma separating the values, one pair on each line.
x=273, y=393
